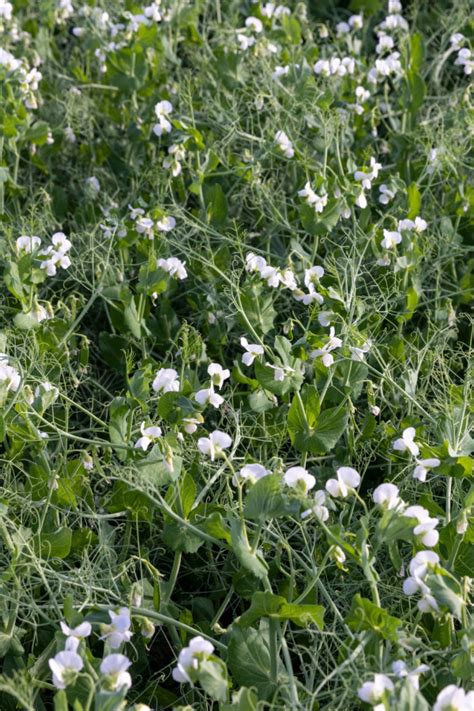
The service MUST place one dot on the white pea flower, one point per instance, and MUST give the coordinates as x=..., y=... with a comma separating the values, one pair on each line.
x=6, y=10
x=384, y=43
x=254, y=24
x=374, y=692
x=218, y=374
x=347, y=480
x=176, y=153
x=464, y=60
x=79, y=632
x=166, y=381
x=253, y=350
x=319, y=202
x=325, y=352
x=456, y=40
x=342, y=28
x=281, y=371
x=338, y=554
x=251, y=473
x=454, y=698
x=279, y=72
x=417, y=225
x=386, y=194
x=401, y=670
x=153, y=12
x=309, y=297
x=114, y=667
x=244, y=41
x=61, y=242
x=288, y=279
x=190, y=424
x=27, y=244
x=356, y=22
x=149, y=435
x=362, y=94
x=423, y=466
x=407, y=442
x=65, y=667
x=361, y=200
x=136, y=212
x=254, y=263
x=298, y=477
x=324, y=318
x=271, y=275
x=386, y=496
x=173, y=266
x=144, y=226
x=318, y=509
x=313, y=275
x=166, y=224
x=358, y=354
x=214, y=445
x=390, y=239
x=118, y=631
x=425, y=529
x=162, y=110
x=375, y=410
x=9, y=376
x=284, y=144
x=366, y=177
x=207, y=396
x=189, y=658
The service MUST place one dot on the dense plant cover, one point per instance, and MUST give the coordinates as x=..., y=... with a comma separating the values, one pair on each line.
x=235, y=355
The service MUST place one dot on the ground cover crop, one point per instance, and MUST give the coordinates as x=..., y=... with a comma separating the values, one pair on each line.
x=235, y=355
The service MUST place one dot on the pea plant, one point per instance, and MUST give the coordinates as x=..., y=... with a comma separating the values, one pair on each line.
x=236, y=355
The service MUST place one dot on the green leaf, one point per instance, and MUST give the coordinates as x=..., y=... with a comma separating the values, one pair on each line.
x=56, y=544
x=257, y=309
x=248, y=658
x=311, y=430
x=266, y=604
x=447, y=592
x=265, y=500
x=216, y=204
x=244, y=700
x=178, y=537
x=411, y=699
x=248, y=558
x=37, y=133
x=365, y=615
x=213, y=679
x=414, y=201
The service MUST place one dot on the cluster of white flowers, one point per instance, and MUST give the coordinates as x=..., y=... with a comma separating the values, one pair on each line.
x=173, y=266
x=27, y=78
x=325, y=352
x=464, y=58
x=145, y=225
x=318, y=202
x=335, y=66
x=406, y=443
x=208, y=396
x=56, y=252
x=163, y=109
x=365, y=178
x=172, y=162
x=273, y=276
x=66, y=665
x=355, y=22
x=390, y=64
